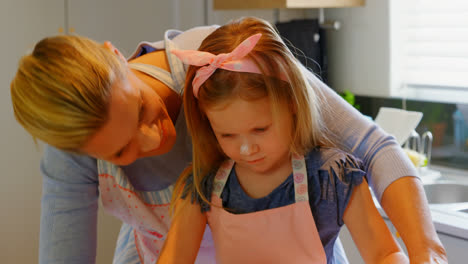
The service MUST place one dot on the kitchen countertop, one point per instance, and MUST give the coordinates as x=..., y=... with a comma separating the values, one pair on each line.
x=451, y=223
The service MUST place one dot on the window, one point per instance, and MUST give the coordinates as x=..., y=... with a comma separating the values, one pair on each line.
x=430, y=49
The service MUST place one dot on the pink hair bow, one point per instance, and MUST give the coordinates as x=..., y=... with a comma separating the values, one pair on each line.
x=233, y=61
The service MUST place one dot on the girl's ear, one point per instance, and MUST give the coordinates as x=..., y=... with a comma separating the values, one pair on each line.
x=111, y=47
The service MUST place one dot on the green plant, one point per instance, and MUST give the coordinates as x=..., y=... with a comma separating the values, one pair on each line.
x=350, y=98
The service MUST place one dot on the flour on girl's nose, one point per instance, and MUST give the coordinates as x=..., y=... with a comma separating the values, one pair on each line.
x=149, y=138
x=244, y=149
x=246, y=146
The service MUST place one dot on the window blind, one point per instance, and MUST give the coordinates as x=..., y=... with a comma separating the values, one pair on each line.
x=434, y=46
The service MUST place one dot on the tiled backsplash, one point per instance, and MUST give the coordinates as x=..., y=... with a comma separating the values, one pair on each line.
x=445, y=121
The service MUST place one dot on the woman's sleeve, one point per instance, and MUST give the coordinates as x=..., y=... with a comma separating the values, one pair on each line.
x=339, y=175
x=383, y=158
x=68, y=208
x=192, y=38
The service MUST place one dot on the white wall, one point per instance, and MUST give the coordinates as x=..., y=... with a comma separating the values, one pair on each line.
x=24, y=22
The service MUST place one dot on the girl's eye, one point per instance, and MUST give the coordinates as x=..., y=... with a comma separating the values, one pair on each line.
x=261, y=129
x=120, y=153
x=227, y=135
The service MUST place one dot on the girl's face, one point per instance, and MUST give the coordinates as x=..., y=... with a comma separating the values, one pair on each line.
x=138, y=125
x=249, y=135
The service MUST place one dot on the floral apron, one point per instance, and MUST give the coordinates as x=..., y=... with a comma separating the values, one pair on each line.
x=281, y=235
x=145, y=215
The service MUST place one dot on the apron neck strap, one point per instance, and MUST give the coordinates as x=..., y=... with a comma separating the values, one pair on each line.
x=301, y=190
x=222, y=176
x=299, y=176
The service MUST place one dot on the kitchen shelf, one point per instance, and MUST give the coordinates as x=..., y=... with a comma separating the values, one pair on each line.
x=265, y=4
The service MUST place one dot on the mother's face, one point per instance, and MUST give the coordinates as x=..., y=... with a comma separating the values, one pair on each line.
x=138, y=125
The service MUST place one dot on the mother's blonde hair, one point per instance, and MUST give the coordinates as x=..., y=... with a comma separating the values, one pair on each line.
x=61, y=91
x=273, y=59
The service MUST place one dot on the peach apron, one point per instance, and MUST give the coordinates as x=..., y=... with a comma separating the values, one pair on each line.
x=281, y=235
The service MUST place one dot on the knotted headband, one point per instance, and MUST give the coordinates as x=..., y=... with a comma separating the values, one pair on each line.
x=233, y=61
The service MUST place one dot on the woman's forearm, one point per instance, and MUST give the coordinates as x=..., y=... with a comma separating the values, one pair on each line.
x=405, y=203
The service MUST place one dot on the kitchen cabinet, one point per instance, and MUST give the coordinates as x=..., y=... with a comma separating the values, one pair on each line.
x=352, y=251
x=257, y=4
x=360, y=52
x=23, y=23
x=381, y=51
x=126, y=23
x=456, y=248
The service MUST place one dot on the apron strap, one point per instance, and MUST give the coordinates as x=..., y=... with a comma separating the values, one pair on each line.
x=301, y=190
x=176, y=65
x=221, y=177
x=155, y=72
x=174, y=79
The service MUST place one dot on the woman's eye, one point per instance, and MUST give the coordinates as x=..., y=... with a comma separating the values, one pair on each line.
x=119, y=154
x=227, y=135
x=141, y=111
x=141, y=114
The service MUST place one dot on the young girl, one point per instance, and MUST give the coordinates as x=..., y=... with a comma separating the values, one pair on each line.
x=262, y=175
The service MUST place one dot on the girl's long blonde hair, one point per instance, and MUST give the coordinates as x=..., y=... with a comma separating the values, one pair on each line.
x=273, y=59
x=61, y=91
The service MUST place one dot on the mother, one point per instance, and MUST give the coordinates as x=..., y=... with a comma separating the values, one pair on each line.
x=116, y=129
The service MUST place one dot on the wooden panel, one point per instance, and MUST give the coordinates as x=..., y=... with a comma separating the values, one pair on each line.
x=258, y=4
